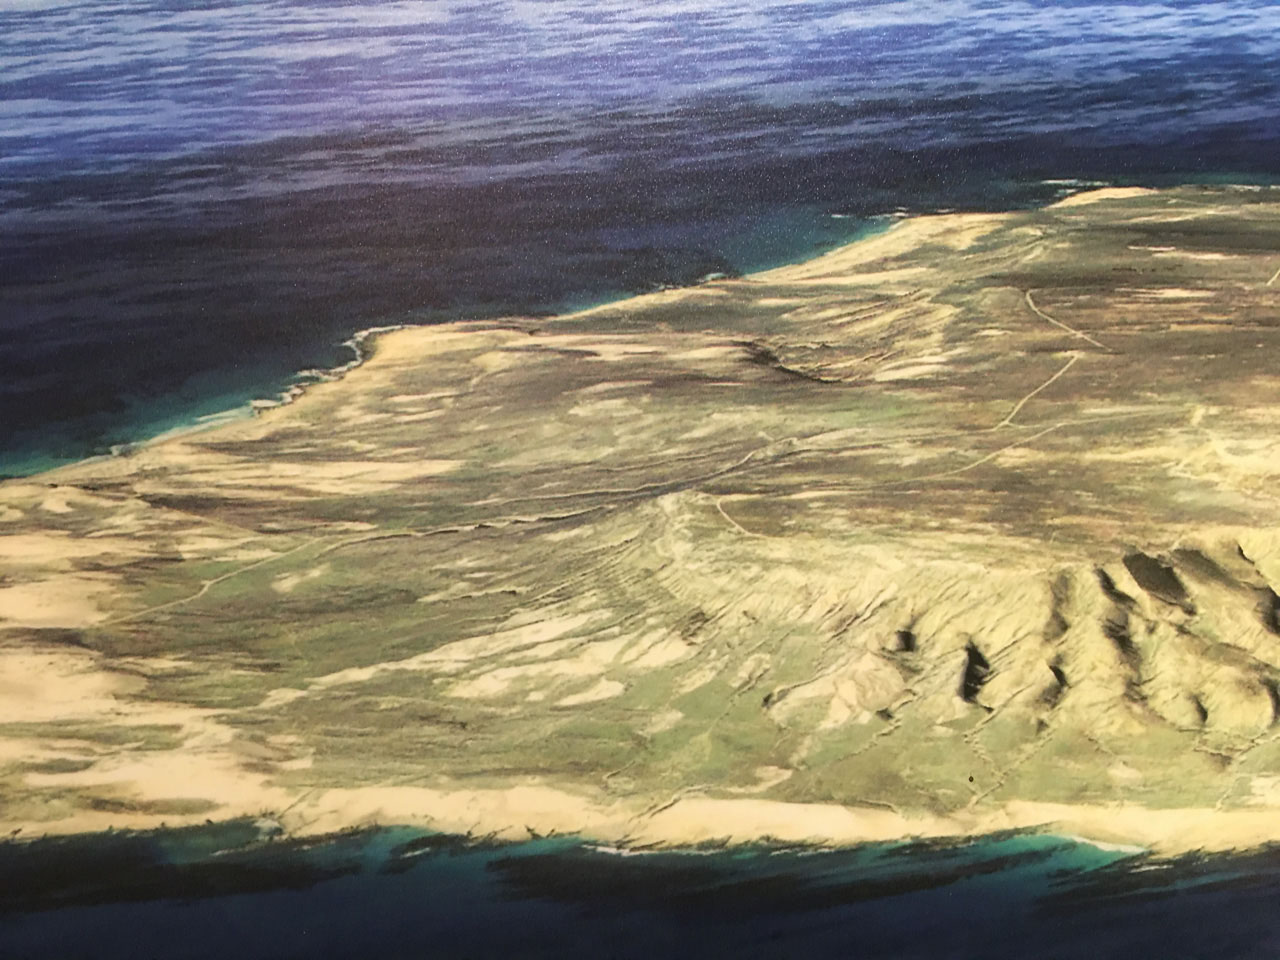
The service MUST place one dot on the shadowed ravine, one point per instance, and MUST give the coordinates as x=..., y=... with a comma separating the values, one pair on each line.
x=969, y=525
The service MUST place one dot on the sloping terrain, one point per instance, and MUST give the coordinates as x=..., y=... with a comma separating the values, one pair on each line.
x=973, y=523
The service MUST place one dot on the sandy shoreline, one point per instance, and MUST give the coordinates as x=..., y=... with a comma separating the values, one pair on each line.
x=523, y=813
x=236, y=774
x=363, y=341
x=528, y=811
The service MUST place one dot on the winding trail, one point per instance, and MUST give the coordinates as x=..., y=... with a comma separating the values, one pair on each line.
x=1008, y=420
x=734, y=523
x=981, y=460
x=1058, y=323
x=209, y=585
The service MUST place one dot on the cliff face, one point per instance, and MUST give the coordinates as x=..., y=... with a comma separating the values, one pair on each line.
x=972, y=518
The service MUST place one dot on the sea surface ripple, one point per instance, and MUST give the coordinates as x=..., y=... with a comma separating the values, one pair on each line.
x=198, y=199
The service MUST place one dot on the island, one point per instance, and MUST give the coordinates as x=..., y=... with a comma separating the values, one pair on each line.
x=970, y=525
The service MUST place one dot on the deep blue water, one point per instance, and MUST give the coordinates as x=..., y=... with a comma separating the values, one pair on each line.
x=397, y=893
x=197, y=199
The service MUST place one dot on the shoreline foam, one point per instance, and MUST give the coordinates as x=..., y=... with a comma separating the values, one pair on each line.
x=362, y=341
x=302, y=380
x=530, y=811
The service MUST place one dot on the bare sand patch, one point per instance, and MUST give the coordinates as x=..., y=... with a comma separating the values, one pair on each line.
x=604, y=689
x=1105, y=193
x=54, y=548
x=288, y=582
x=59, y=601
x=38, y=686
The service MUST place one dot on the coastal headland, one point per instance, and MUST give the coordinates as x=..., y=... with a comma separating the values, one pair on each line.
x=968, y=526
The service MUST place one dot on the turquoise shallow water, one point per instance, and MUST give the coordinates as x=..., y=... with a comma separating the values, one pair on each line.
x=214, y=892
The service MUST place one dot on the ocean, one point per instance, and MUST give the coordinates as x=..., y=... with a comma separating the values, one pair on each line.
x=394, y=893
x=198, y=200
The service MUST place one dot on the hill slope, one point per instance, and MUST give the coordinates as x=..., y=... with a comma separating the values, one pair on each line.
x=968, y=525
